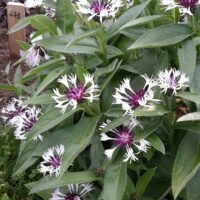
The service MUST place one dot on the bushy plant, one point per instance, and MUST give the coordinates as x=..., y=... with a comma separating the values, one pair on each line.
x=109, y=109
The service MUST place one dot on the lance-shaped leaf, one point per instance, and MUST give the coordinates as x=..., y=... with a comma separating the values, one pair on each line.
x=115, y=180
x=79, y=139
x=162, y=36
x=189, y=152
x=69, y=178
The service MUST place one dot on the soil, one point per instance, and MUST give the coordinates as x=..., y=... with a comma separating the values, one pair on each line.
x=5, y=59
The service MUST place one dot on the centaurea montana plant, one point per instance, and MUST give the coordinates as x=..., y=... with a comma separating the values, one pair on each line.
x=110, y=103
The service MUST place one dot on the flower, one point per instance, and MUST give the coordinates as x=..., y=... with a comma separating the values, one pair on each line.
x=129, y=3
x=13, y=109
x=52, y=160
x=123, y=137
x=25, y=122
x=74, y=192
x=172, y=80
x=33, y=3
x=129, y=98
x=34, y=55
x=184, y=6
x=99, y=8
x=76, y=92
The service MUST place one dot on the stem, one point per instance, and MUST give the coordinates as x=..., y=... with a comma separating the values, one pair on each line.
x=193, y=24
x=165, y=193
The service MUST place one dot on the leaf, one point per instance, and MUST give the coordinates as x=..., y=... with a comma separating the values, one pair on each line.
x=115, y=180
x=195, y=116
x=20, y=24
x=42, y=99
x=44, y=24
x=156, y=110
x=9, y=88
x=192, y=188
x=49, y=182
x=143, y=182
x=47, y=121
x=130, y=14
x=194, y=97
x=193, y=126
x=143, y=20
x=156, y=143
x=187, y=57
x=64, y=15
x=80, y=138
x=48, y=65
x=162, y=36
x=189, y=151
x=54, y=74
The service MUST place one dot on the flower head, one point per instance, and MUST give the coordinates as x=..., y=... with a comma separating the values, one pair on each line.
x=34, y=55
x=130, y=99
x=129, y=3
x=75, y=192
x=123, y=137
x=172, y=80
x=75, y=92
x=184, y=6
x=99, y=8
x=33, y=3
x=52, y=160
x=25, y=122
x=12, y=110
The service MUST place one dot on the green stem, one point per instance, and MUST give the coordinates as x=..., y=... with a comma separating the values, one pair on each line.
x=165, y=193
x=193, y=24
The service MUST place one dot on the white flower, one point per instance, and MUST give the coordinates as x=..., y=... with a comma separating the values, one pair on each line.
x=129, y=3
x=172, y=80
x=13, y=109
x=34, y=55
x=52, y=160
x=99, y=8
x=33, y=3
x=75, y=92
x=130, y=99
x=25, y=122
x=123, y=138
x=184, y=6
x=75, y=192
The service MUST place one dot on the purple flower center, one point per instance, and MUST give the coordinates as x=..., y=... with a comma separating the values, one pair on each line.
x=75, y=93
x=124, y=137
x=136, y=97
x=55, y=161
x=172, y=81
x=72, y=196
x=29, y=124
x=188, y=3
x=16, y=113
x=98, y=7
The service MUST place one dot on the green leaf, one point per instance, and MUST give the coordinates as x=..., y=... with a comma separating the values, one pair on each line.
x=64, y=15
x=115, y=180
x=80, y=71
x=143, y=182
x=80, y=138
x=194, y=97
x=9, y=88
x=162, y=36
x=186, y=163
x=192, y=188
x=156, y=110
x=42, y=99
x=187, y=57
x=25, y=46
x=156, y=143
x=20, y=24
x=130, y=14
x=35, y=71
x=50, y=182
x=54, y=74
x=44, y=24
x=195, y=116
x=193, y=126
x=47, y=121
x=143, y=20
